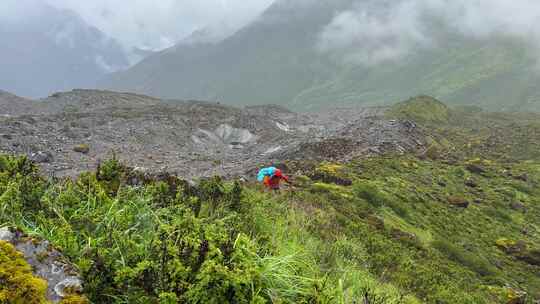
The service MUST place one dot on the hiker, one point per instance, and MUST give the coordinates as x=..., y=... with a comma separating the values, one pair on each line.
x=271, y=178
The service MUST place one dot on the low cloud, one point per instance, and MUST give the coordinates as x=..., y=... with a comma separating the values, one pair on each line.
x=155, y=25
x=381, y=31
x=146, y=24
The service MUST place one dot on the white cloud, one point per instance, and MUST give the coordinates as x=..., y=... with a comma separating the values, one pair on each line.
x=370, y=35
x=147, y=24
x=381, y=31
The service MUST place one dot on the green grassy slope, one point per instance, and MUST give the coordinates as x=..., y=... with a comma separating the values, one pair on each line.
x=498, y=75
x=458, y=224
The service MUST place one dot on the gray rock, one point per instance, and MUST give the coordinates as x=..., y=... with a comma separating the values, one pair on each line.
x=471, y=183
x=518, y=206
x=476, y=169
x=41, y=157
x=47, y=263
x=458, y=201
x=6, y=235
x=195, y=138
x=522, y=177
x=70, y=283
x=192, y=183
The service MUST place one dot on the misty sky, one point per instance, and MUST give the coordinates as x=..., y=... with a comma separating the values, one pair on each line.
x=148, y=24
x=370, y=32
x=378, y=31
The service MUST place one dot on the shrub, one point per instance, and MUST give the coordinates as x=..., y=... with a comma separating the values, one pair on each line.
x=370, y=193
x=199, y=261
x=12, y=165
x=109, y=174
x=167, y=241
x=376, y=198
x=468, y=259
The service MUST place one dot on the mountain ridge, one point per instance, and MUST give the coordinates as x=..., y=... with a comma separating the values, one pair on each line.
x=275, y=59
x=55, y=50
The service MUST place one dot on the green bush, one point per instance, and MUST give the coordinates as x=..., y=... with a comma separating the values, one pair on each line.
x=168, y=241
x=470, y=260
x=370, y=193
x=376, y=198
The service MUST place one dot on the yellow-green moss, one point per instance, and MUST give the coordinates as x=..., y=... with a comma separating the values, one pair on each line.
x=74, y=299
x=333, y=189
x=82, y=148
x=333, y=174
x=505, y=244
x=19, y=284
x=507, y=295
x=330, y=168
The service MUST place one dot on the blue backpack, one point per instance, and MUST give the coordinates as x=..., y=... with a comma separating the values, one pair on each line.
x=270, y=171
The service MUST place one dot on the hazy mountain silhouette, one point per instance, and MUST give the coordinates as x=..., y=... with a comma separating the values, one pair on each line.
x=275, y=59
x=55, y=50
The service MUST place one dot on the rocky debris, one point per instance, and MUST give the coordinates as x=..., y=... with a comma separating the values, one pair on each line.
x=518, y=206
x=331, y=174
x=331, y=179
x=522, y=177
x=41, y=157
x=11, y=105
x=194, y=139
x=458, y=201
x=531, y=257
x=519, y=250
x=476, y=169
x=48, y=263
x=7, y=235
x=511, y=246
x=333, y=149
x=222, y=137
x=471, y=183
x=375, y=221
x=516, y=296
x=403, y=235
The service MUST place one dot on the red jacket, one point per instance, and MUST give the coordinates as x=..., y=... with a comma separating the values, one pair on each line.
x=273, y=182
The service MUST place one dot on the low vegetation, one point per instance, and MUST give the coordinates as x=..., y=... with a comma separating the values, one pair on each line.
x=387, y=229
x=421, y=109
x=391, y=236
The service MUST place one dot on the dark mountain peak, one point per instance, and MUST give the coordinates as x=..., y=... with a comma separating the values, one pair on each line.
x=54, y=50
